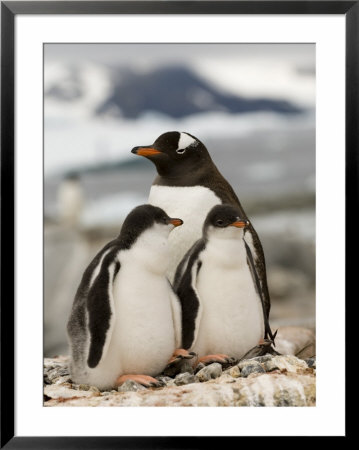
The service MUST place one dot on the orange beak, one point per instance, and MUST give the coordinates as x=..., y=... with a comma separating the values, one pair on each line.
x=240, y=224
x=176, y=222
x=145, y=151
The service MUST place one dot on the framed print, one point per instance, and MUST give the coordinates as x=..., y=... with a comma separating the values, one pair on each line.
x=255, y=99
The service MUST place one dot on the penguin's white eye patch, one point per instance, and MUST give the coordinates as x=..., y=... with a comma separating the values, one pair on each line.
x=184, y=142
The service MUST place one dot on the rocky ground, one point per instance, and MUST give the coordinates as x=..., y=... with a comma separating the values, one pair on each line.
x=260, y=381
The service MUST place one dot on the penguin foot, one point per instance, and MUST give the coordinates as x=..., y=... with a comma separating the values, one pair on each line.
x=179, y=362
x=181, y=353
x=219, y=358
x=264, y=346
x=145, y=380
x=267, y=346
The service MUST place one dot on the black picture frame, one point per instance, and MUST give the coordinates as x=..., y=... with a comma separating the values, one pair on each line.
x=9, y=10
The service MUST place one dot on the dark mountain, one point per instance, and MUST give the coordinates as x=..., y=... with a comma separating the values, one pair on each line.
x=179, y=92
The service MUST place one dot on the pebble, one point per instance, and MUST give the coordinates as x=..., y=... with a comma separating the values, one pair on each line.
x=250, y=367
x=165, y=381
x=199, y=367
x=61, y=380
x=84, y=387
x=209, y=372
x=311, y=363
x=94, y=389
x=262, y=359
x=186, y=366
x=130, y=386
x=52, y=374
x=270, y=365
x=185, y=378
x=234, y=372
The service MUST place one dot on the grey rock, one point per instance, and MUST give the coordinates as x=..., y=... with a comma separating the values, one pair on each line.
x=209, y=372
x=106, y=393
x=185, y=378
x=247, y=362
x=250, y=367
x=311, y=363
x=186, y=366
x=130, y=386
x=262, y=359
x=84, y=387
x=199, y=367
x=165, y=381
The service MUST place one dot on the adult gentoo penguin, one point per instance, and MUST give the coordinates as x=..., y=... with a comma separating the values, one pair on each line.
x=188, y=185
x=223, y=313
x=125, y=319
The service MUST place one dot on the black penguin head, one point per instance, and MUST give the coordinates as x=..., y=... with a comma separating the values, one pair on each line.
x=224, y=221
x=142, y=218
x=175, y=153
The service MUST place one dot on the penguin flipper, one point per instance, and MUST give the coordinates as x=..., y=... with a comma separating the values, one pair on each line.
x=176, y=317
x=258, y=286
x=187, y=293
x=100, y=309
x=260, y=268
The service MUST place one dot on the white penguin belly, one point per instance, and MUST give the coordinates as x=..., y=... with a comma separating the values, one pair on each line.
x=232, y=316
x=143, y=336
x=191, y=204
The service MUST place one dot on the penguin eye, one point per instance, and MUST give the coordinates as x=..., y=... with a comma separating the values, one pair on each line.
x=219, y=222
x=164, y=219
x=180, y=150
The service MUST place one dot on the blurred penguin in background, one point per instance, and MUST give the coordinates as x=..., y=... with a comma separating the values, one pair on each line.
x=70, y=200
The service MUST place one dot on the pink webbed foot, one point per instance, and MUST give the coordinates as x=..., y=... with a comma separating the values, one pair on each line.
x=180, y=361
x=144, y=380
x=180, y=353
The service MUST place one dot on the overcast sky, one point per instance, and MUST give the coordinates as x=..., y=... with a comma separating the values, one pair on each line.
x=300, y=54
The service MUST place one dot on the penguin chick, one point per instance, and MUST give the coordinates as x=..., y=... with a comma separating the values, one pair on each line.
x=222, y=309
x=125, y=319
